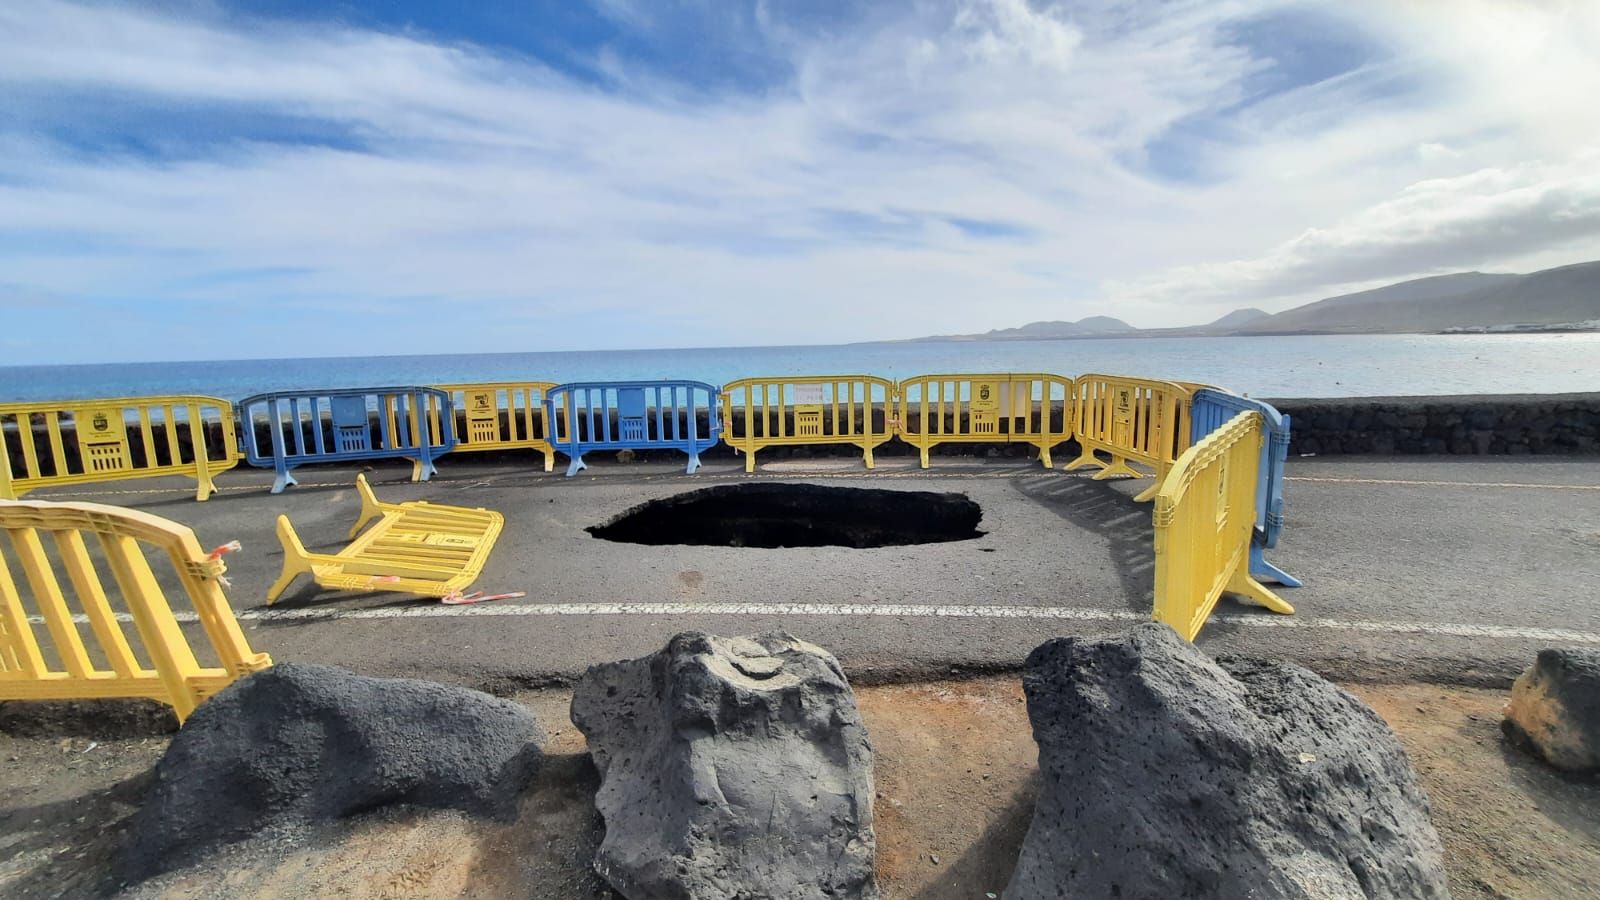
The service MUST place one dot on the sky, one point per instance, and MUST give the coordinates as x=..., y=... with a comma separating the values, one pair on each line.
x=214, y=179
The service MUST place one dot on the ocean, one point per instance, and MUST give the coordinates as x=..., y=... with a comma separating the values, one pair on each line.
x=1301, y=366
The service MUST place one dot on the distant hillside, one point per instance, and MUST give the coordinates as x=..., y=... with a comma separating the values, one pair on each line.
x=1465, y=301
x=1471, y=299
x=1237, y=319
x=1093, y=326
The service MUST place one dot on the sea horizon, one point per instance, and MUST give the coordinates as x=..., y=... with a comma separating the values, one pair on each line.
x=1270, y=366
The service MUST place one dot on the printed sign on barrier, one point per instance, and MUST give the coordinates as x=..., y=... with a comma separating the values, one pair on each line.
x=102, y=439
x=483, y=417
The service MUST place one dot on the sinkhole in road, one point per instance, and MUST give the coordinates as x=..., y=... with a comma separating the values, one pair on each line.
x=797, y=515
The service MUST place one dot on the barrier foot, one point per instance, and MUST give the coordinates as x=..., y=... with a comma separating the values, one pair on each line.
x=866, y=454
x=1044, y=457
x=283, y=480
x=371, y=508
x=423, y=470
x=1117, y=468
x=576, y=465
x=694, y=463
x=1248, y=590
x=1148, y=493
x=549, y=462
x=1084, y=460
x=295, y=560
x=1261, y=570
x=924, y=457
x=203, y=489
x=749, y=461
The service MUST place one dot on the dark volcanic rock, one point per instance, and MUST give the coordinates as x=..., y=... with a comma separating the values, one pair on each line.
x=1167, y=775
x=298, y=744
x=732, y=768
x=1554, y=711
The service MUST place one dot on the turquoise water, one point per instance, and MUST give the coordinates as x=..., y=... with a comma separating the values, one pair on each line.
x=1310, y=366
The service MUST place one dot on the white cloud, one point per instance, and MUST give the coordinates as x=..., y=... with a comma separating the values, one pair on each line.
x=823, y=209
x=1438, y=225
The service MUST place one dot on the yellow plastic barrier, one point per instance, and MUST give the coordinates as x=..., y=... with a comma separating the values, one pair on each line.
x=984, y=409
x=1132, y=419
x=797, y=410
x=500, y=415
x=88, y=440
x=416, y=548
x=1205, y=512
x=69, y=669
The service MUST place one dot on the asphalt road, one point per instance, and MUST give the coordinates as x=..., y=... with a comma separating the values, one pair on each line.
x=1454, y=569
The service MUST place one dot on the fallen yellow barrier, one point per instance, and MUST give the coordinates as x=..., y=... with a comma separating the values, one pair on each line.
x=415, y=548
x=69, y=667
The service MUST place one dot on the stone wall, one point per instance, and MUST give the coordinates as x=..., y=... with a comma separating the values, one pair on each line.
x=1468, y=425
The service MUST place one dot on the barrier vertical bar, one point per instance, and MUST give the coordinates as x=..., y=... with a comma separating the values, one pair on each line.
x=96, y=607
x=22, y=649
x=158, y=629
x=52, y=605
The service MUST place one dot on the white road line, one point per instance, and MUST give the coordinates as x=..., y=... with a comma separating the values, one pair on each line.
x=887, y=610
x=1474, y=484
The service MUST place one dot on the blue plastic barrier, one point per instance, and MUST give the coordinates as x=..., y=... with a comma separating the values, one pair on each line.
x=632, y=415
x=336, y=426
x=1212, y=409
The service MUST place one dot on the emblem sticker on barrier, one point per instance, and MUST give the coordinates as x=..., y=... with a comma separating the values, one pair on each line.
x=483, y=416
x=983, y=409
x=808, y=403
x=631, y=411
x=102, y=439
x=1122, y=416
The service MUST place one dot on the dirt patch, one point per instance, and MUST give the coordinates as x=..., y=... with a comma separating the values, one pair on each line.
x=956, y=774
x=64, y=806
x=1511, y=827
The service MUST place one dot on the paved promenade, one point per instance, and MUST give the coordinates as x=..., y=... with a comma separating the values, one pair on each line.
x=1439, y=569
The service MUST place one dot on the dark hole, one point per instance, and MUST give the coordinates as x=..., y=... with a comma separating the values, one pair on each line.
x=797, y=515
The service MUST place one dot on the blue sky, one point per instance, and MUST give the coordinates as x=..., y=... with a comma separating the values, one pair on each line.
x=212, y=179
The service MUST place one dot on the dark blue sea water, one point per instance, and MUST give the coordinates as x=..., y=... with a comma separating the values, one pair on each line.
x=1311, y=366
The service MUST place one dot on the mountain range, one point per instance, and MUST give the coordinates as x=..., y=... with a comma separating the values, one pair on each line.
x=1562, y=298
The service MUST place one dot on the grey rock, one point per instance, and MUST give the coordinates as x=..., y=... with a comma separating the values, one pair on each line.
x=1554, y=711
x=1165, y=774
x=298, y=745
x=731, y=768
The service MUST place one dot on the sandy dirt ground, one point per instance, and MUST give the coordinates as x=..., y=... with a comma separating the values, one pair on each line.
x=956, y=776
